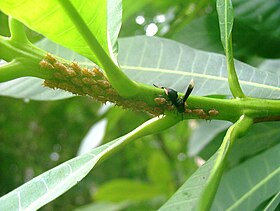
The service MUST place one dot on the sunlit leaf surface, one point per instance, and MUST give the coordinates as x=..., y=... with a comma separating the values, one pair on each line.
x=31, y=88
x=49, y=19
x=156, y=60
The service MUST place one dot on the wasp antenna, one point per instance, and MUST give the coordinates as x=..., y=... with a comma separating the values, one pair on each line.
x=158, y=86
x=191, y=83
x=189, y=90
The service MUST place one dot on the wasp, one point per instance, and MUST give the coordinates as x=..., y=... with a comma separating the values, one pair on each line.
x=178, y=102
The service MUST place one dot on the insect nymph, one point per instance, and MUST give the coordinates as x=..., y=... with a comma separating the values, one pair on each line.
x=178, y=102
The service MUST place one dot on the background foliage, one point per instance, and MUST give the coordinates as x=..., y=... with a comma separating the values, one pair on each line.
x=38, y=135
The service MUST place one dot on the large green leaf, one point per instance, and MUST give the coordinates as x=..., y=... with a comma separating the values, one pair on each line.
x=239, y=128
x=247, y=185
x=186, y=197
x=153, y=60
x=260, y=137
x=270, y=65
x=225, y=14
x=31, y=88
x=273, y=203
x=156, y=60
x=49, y=19
x=114, y=22
x=241, y=188
x=259, y=25
x=204, y=133
x=199, y=190
x=263, y=16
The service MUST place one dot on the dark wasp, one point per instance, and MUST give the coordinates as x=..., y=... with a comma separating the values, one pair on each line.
x=178, y=102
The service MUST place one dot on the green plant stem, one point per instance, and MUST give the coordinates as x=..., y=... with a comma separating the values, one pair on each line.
x=17, y=30
x=226, y=19
x=22, y=56
x=124, y=86
x=23, y=60
x=12, y=70
x=152, y=126
x=235, y=131
x=233, y=81
x=232, y=109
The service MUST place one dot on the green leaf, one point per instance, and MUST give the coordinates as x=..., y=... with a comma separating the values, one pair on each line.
x=199, y=190
x=203, y=134
x=273, y=203
x=225, y=14
x=264, y=19
x=238, y=129
x=270, y=65
x=51, y=184
x=30, y=88
x=119, y=190
x=153, y=60
x=247, y=185
x=260, y=137
x=114, y=15
x=43, y=19
x=263, y=23
x=63, y=52
x=186, y=196
x=203, y=33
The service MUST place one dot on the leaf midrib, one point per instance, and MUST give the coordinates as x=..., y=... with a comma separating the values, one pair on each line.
x=169, y=71
x=254, y=189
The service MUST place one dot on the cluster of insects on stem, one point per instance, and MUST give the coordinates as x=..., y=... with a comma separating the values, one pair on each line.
x=180, y=102
x=93, y=83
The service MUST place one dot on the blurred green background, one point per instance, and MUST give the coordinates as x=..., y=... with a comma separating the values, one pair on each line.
x=36, y=136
